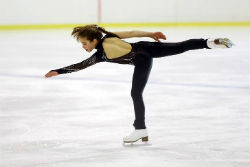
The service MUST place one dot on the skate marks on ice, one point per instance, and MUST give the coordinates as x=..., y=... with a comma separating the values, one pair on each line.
x=45, y=123
x=117, y=81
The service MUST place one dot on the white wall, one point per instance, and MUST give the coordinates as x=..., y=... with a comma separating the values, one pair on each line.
x=47, y=11
x=122, y=11
x=213, y=10
x=176, y=10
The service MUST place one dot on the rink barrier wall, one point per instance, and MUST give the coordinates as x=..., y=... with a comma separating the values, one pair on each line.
x=124, y=25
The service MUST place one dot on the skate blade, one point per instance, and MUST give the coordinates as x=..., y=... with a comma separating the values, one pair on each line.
x=137, y=144
x=143, y=139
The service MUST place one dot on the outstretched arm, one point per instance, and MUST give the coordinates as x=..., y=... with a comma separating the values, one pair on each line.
x=74, y=67
x=129, y=34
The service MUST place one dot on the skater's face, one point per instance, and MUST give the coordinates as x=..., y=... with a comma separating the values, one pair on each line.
x=87, y=44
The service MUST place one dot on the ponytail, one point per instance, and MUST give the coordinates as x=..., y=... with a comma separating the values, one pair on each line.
x=91, y=32
x=105, y=31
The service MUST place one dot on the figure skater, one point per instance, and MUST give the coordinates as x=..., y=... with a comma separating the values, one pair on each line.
x=110, y=48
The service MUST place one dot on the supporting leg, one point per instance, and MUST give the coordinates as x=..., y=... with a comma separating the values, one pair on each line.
x=142, y=70
x=143, y=65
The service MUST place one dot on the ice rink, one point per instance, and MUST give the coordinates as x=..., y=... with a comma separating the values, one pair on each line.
x=197, y=104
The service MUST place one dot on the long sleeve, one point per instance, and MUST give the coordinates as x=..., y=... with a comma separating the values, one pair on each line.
x=79, y=66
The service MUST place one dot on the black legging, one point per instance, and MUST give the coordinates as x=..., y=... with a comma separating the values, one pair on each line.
x=145, y=52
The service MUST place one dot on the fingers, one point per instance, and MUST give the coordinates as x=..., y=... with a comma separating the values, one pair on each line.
x=163, y=37
x=51, y=74
x=47, y=75
x=157, y=40
x=159, y=35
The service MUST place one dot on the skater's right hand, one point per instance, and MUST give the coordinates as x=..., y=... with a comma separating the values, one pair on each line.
x=51, y=74
x=157, y=36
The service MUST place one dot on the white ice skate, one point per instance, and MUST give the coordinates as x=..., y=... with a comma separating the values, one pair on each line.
x=219, y=43
x=137, y=135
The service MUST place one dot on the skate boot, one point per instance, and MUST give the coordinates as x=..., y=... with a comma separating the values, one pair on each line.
x=219, y=43
x=137, y=135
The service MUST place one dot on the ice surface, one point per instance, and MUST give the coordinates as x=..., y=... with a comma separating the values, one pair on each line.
x=197, y=104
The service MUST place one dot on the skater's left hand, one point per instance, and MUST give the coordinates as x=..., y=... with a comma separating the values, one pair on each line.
x=158, y=35
x=51, y=74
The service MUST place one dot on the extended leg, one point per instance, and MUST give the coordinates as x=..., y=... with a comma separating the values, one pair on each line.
x=168, y=49
x=157, y=49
